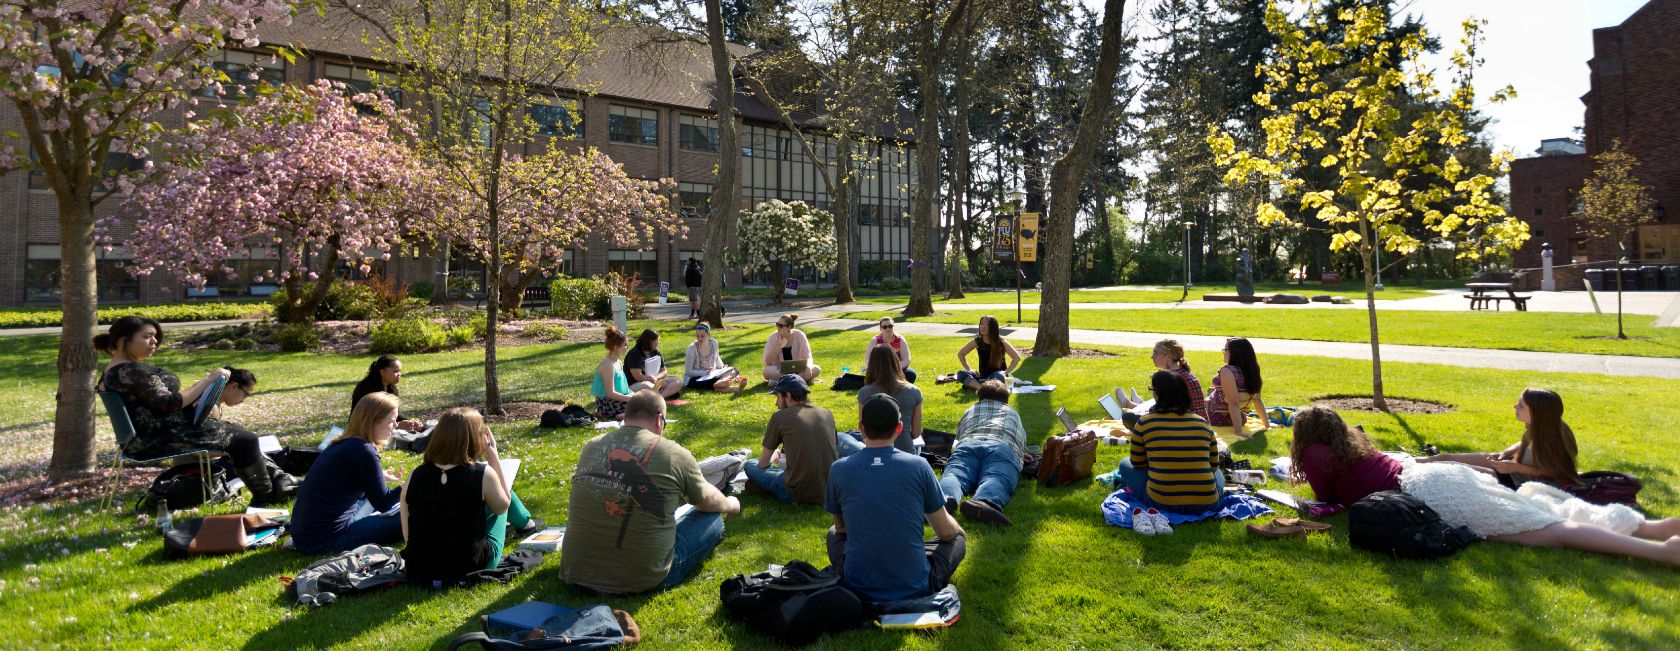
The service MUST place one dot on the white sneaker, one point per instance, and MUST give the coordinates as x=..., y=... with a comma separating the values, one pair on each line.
x=1142, y=522
x=1135, y=397
x=1162, y=525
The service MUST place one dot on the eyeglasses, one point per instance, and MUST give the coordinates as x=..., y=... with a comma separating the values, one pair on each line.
x=783, y=325
x=886, y=327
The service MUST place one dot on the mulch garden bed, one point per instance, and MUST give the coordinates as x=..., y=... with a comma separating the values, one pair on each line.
x=1395, y=405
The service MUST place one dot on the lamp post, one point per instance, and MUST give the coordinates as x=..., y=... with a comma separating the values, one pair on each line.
x=1017, y=199
x=1188, y=224
x=1376, y=240
x=1620, y=334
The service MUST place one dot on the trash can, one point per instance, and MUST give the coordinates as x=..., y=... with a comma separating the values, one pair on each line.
x=1671, y=277
x=1595, y=278
x=1630, y=279
x=1650, y=277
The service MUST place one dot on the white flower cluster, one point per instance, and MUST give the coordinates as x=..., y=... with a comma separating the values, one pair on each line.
x=789, y=233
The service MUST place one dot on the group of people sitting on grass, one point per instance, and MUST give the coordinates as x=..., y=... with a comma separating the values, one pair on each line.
x=627, y=534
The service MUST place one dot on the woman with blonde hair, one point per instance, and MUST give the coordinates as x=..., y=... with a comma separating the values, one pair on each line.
x=327, y=518
x=457, y=505
x=788, y=344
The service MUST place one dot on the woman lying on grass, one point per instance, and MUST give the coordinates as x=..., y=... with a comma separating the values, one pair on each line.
x=1535, y=515
x=1546, y=452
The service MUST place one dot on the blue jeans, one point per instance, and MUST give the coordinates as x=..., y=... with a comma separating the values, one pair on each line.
x=697, y=534
x=848, y=442
x=769, y=479
x=988, y=469
x=373, y=529
x=1137, y=481
x=971, y=376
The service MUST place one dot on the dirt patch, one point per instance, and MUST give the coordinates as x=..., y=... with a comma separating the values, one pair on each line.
x=521, y=411
x=34, y=489
x=1395, y=405
x=1083, y=353
x=1613, y=338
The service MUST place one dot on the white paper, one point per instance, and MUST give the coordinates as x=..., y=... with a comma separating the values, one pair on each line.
x=715, y=374
x=332, y=434
x=272, y=514
x=608, y=424
x=652, y=365
x=682, y=511
x=509, y=470
x=1033, y=388
x=911, y=620
x=364, y=509
x=269, y=444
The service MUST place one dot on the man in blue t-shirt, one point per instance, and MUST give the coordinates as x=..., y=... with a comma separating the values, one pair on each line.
x=880, y=497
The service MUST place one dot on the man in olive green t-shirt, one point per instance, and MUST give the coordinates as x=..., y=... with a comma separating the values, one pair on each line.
x=623, y=536
x=805, y=434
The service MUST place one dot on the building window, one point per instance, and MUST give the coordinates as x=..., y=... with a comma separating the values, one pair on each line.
x=1538, y=190
x=359, y=80
x=698, y=134
x=247, y=69
x=1539, y=232
x=633, y=125
x=1539, y=211
x=116, y=164
x=1578, y=250
x=563, y=121
x=694, y=200
x=41, y=275
x=644, y=265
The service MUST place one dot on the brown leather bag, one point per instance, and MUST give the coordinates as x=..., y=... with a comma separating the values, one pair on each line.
x=1067, y=458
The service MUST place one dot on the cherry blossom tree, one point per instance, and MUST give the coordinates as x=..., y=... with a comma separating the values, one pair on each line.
x=91, y=78
x=322, y=175
x=552, y=201
x=777, y=235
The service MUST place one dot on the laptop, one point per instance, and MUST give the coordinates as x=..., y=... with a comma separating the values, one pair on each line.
x=1067, y=420
x=1112, y=407
x=794, y=366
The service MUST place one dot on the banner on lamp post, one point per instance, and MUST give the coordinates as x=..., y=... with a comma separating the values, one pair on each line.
x=1003, y=239
x=1029, y=237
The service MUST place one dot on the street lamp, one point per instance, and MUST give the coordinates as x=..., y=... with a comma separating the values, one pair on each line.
x=1018, y=199
x=1188, y=224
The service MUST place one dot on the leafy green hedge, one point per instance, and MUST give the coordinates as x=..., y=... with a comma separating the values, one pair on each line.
x=42, y=317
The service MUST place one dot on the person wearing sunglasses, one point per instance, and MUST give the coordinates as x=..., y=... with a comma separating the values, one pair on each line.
x=887, y=336
x=787, y=350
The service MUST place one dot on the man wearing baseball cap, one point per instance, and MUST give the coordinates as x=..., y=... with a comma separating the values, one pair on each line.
x=805, y=434
x=880, y=497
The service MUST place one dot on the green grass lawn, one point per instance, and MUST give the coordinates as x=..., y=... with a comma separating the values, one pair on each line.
x=1061, y=578
x=1171, y=294
x=1536, y=331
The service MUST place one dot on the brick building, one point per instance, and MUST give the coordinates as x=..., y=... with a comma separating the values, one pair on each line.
x=651, y=112
x=1634, y=98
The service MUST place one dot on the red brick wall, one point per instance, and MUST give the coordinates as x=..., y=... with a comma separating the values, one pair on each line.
x=1543, y=190
x=1635, y=97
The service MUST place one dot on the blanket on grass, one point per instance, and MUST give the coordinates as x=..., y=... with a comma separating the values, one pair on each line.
x=1117, y=509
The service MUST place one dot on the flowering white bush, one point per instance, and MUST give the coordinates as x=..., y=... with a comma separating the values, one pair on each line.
x=785, y=233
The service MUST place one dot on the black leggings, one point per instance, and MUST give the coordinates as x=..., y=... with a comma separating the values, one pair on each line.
x=242, y=448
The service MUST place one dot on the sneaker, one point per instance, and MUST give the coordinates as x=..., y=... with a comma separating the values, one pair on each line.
x=945, y=379
x=1142, y=522
x=1162, y=525
x=983, y=511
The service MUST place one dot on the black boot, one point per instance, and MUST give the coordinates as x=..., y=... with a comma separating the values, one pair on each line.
x=283, y=486
x=257, y=478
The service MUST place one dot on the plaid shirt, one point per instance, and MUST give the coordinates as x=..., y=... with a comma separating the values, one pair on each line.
x=994, y=421
x=1198, y=400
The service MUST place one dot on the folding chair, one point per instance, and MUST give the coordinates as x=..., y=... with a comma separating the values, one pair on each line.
x=124, y=429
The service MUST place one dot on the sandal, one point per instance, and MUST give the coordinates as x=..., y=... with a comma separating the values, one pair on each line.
x=1310, y=525
x=1274, y=531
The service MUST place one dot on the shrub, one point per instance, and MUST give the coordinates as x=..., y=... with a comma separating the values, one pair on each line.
x=890, y=284
x=421, y=290
x=222, y=344
x=297, y=337
x=577, y=298
x=345, y=301
x=635, y=298
x=544, y=331
x=245, y=343
x=46, y=317
x=408, y=335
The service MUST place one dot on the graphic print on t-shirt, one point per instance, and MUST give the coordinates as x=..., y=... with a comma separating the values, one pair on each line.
x=627, y=474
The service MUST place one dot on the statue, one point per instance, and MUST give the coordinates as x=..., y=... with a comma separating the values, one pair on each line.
x=1245, y=275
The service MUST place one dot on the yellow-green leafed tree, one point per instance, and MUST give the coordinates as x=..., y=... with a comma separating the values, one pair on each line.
x=1613, y=203
x=1332, y=100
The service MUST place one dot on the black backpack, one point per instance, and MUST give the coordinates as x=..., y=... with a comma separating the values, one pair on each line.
x=849, y=382
x=568, y=416
x=1607, y=487
x=296, y=460
x=795, y=604
x=182, y=487
x=1392, y=522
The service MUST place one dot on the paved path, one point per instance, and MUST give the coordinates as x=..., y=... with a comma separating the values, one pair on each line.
x=1664, y=304
x=187, y=325
x=1615, y=365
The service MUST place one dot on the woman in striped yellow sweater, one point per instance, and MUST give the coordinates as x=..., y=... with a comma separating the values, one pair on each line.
x=1175, y=457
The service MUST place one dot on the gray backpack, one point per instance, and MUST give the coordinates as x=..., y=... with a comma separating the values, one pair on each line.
x=364, y=568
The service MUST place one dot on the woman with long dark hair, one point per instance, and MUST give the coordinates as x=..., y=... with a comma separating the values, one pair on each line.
x=162, y=413
x=382, y=377
x=991, y=348
x=1236, y=389
x=1546, y=452
x=885, y=377
x=646, y=367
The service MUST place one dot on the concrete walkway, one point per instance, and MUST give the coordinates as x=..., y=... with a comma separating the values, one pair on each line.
x=184, y=325
x=1665, y=304
x=818, y=318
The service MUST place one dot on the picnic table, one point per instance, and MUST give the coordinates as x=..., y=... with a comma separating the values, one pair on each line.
x=1484, y=294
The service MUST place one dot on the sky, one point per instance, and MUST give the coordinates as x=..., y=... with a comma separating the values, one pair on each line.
x=1540, y=47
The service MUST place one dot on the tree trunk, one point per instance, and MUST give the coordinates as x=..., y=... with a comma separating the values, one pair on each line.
x=440, y=294
x=1065, y=178
x=721, y=221
x=73, y=419
x=1366, y=252
x=778, y=282
x=513, y=290
x=962, y=149
x=840, y=199
x=925, y=209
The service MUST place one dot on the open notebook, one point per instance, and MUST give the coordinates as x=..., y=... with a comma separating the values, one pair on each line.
x=510, y=469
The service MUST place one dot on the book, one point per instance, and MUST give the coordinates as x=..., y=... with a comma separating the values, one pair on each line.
x=509, y=470
x=277, y=515
x=545, y=541
x=269, y=444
